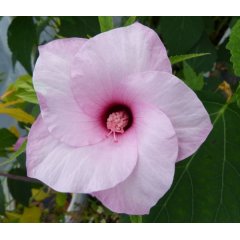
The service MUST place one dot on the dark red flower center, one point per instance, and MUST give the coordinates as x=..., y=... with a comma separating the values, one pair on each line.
x=118, y=118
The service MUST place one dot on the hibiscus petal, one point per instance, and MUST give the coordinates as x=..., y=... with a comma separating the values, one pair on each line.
x=107, y=59
x=64, y=119
x=153, y=175
x=79, y=169
x=189, y=117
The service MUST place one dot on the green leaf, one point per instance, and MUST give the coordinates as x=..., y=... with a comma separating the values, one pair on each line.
x=61, y=199
x=2, y=200
x=194, y=81
x=223, y=55
x=27, y=95
x=234, y=47
x=135, y=219
x=206, y=185
x=181, y=58
x=22, y=38
x=180, y=34
x=7, y=138
x=203, y=64
x=20, y=190
x=130, y=21
x=79, y=26
x=24, y=89
x=106, y=23
x=236, y=96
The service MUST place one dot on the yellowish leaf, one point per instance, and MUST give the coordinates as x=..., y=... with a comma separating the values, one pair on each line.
x=13, y=217
x=7, y=104
x=31, y=215
x=226, y=88
x=39, y=195
x=18, y=114
x=7, y=93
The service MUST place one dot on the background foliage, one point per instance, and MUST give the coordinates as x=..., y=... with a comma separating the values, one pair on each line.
x=205, y=53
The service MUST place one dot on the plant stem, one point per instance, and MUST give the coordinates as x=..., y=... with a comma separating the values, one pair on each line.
x=20, y=178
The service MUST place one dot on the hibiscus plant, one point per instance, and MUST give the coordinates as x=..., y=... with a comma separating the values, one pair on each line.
x=121, y=119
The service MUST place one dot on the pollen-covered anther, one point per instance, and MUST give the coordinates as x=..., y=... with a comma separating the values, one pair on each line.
x=116, y=123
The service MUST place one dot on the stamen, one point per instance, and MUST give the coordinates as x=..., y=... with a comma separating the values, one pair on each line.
x=116, y=123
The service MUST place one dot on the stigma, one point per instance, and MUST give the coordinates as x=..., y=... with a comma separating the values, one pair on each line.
x=116, y=122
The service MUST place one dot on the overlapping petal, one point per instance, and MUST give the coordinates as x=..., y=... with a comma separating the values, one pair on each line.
x=83, y=169
x=153, y=175
x=51, y=78
x=107, y=59
x=189, y=117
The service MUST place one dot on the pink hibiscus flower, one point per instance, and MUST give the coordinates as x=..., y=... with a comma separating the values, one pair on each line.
x=114, y=120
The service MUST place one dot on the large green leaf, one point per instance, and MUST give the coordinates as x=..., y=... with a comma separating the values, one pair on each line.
x=22, y=38
x=79, y=26
x=234, y=47
x=106, y=23
x=206, y=185
x=180, y=34
x=7, y=138
x=194, y=81
x=20, y=190
x=203, y=64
